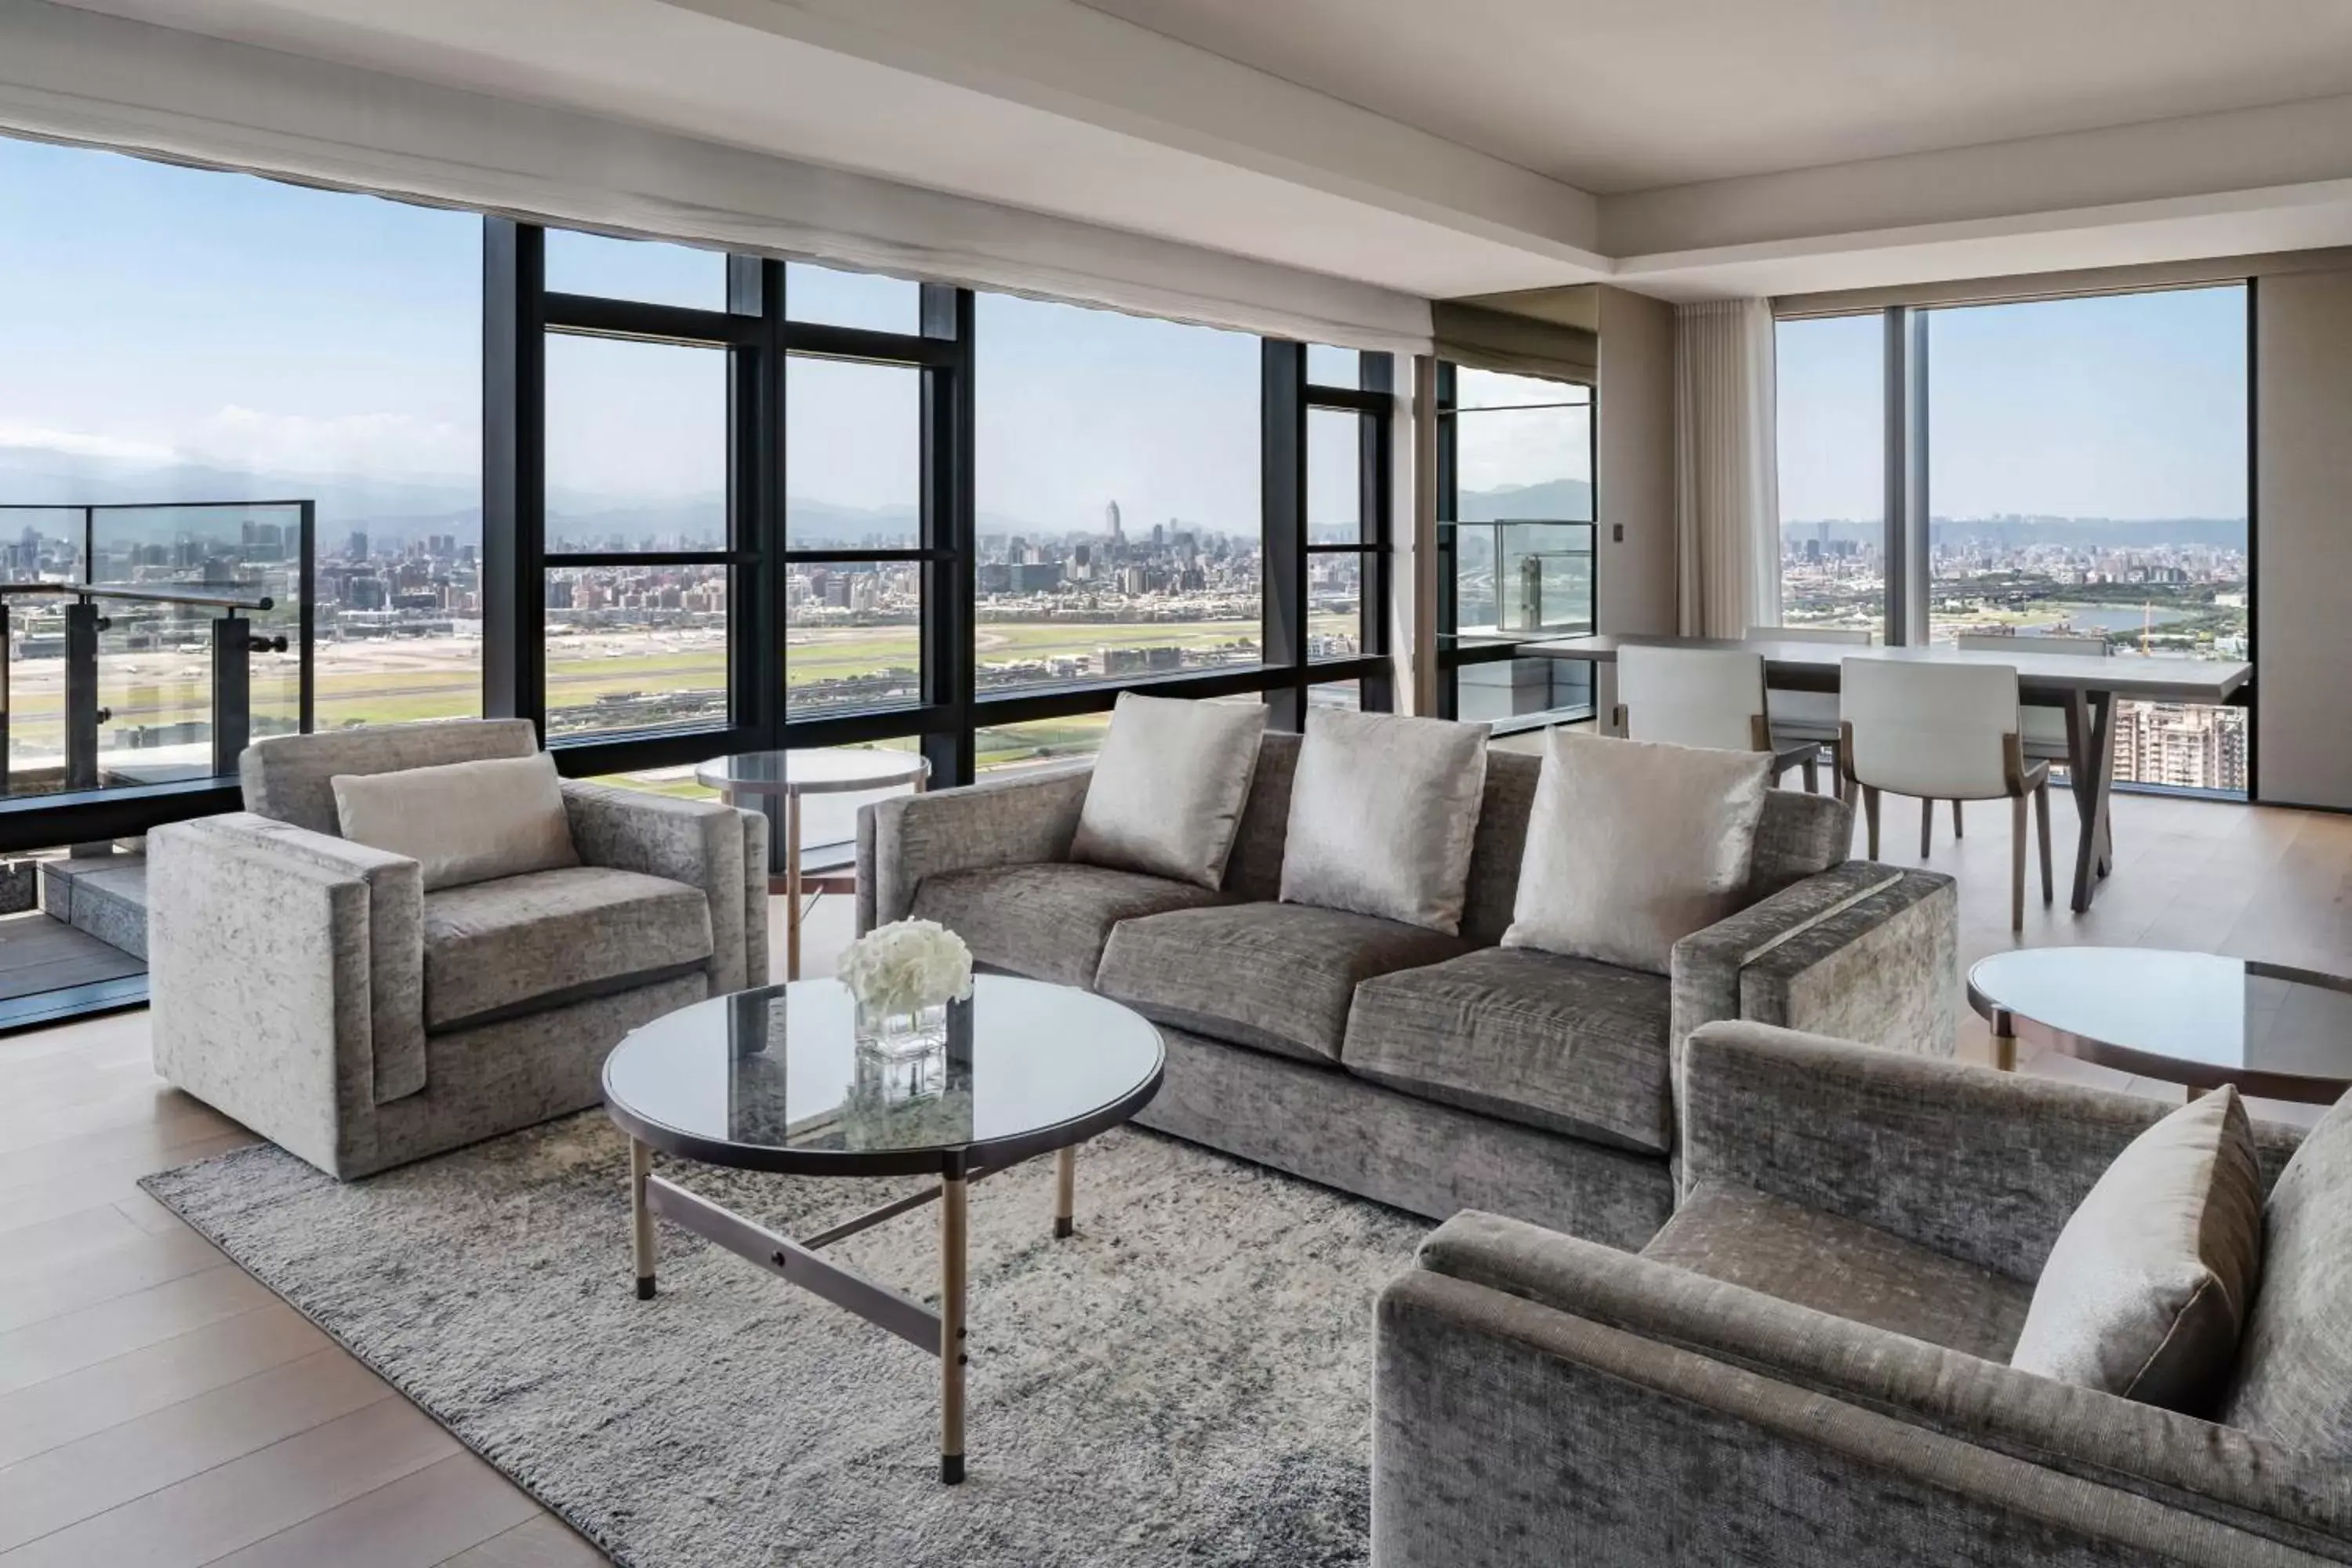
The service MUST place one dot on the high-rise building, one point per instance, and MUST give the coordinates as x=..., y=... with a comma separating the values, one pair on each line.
x=356, y=547
x=1110, y=521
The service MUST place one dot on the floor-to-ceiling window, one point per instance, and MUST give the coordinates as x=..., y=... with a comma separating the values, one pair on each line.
x=1514, y=539
x=2070, y=467
x=1832, y=428
x=2088, y=479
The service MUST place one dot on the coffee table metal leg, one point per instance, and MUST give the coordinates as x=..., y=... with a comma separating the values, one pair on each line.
x=641, y=1218
x=2004, y=1040
x=792, y=887
x=951, y=1334
x=1065, y=1190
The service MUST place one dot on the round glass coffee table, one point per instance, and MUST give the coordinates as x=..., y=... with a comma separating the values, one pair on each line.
x=2193, y=1018
x=788, y=775
x=772, y=1079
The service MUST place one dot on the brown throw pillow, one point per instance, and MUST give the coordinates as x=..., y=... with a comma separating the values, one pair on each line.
x=2146, y=1291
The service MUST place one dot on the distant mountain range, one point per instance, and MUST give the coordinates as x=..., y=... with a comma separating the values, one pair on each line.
x=1553, y=500
x=2089, y=532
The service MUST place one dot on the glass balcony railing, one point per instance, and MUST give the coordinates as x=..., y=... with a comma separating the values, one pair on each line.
x=147, y=644
x=1501, y=584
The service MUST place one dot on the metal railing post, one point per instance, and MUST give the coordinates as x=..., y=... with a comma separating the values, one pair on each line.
x=7, y=649
x=232, y=690
x=82, y=712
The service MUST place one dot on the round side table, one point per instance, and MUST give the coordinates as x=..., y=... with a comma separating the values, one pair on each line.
x=789, y=776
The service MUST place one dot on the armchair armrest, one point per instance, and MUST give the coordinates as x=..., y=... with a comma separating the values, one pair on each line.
x=286, y=975
x=1976, y=1164
x=1010, y=822
x=698, y=842
x=1767, y=1401
x=1863, y=950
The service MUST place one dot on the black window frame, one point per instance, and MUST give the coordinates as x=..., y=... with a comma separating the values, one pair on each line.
x=762, y=341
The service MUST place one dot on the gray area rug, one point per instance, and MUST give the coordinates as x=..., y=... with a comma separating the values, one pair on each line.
x=1185, y=1381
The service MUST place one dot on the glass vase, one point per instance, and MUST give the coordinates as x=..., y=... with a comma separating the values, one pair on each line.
x=902, y=1034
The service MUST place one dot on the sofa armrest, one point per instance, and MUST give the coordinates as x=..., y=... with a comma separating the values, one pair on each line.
x=1009, y=821
x=697, y=842
x=1769, y=1399
x=1863, y=950
x=1974, y=1162
x=286, y=978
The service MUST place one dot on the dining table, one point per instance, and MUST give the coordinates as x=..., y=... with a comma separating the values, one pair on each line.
x=2085, y=689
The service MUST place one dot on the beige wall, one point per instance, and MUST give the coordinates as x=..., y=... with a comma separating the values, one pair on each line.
x=1635, y=481
x=2302, y=540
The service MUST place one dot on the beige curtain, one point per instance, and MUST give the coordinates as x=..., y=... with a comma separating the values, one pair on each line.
x=1726, y=482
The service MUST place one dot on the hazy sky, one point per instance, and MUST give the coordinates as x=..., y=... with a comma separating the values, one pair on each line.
x=2130, y=406
x=158, y=312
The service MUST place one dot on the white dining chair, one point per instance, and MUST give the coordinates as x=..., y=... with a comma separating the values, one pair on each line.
x=1801, y=717
x=1943, y=732
x=2045, y=726
x=1703, y=697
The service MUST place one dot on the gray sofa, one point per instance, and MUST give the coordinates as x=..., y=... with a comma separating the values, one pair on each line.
x=1808, y=1365
x=1433, y=1073
x=308, y=987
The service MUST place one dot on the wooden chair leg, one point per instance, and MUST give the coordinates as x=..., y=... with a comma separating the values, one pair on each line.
x=2017, y=863
x=2042, y=829
x=1956, y=819
x=1870, y=815
x=1927, y=827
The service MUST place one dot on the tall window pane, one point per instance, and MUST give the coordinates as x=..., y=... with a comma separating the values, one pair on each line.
x=177, y=335
x=1117, y=496
x=854, y=474
x=2088, y=479
x=1832, y=401
x=635, y=647
x=637, y=445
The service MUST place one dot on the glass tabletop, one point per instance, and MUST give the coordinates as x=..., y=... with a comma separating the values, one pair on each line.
x=812, y=771
x=772, y=1079
x=2194, y=1017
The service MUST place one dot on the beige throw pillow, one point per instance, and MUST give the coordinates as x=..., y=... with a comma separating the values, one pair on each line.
x=1633, y=845
x=462, y=822
x=1383, y=810
x=1167, y=787
x=2146, y=1291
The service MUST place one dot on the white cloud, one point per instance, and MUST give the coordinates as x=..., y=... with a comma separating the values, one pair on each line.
x=237, y=436
x=83, y=443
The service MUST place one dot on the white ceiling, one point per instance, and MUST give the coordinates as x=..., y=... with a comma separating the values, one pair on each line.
x=1623, y=95
x=1684, y=148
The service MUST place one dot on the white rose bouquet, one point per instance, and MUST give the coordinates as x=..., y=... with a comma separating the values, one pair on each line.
x=907, y=966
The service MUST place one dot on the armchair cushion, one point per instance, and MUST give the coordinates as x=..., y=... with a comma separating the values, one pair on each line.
x=1049, y=919
x=2294, y=1377
x=462, y=822
x=547, y=938
x=2146, y=1291
x=289, y=777
x=1564, y=1044
x=698, y=843
x=1845, y=1268
x=1275, y=977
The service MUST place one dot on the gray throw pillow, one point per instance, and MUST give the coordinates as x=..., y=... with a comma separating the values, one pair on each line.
x=1167, y=787
x=1633, y=845
x=1383, y=810
x=2146, y=1291
x=462, y=822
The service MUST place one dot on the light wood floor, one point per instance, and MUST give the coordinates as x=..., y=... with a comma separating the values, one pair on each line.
x=158, y=1407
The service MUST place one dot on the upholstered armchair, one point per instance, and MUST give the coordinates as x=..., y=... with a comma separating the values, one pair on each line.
x=1810, y=1365
x=311, y=988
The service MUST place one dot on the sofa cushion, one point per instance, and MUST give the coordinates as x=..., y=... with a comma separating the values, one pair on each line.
x=1047, y=920
x=1166, y=793
x=2293, y=1383
x=1843, y=1268
x=1383, y=812
x=1277, y=977
x=546, y=938
x=1564, y=1044
x=462, y=822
